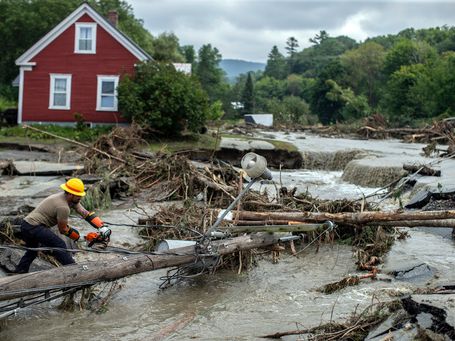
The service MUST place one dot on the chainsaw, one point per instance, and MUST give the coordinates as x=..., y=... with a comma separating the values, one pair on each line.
x=101, y=237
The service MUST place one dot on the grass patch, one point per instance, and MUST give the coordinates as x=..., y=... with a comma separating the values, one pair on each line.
x=19, y=134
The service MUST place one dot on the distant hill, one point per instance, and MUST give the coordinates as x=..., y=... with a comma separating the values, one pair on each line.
x=235, y=67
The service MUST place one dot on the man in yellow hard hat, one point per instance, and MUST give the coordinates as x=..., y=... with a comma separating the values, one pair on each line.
x=55, y=210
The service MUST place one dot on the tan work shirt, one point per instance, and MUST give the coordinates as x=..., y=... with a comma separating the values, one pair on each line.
x=49, y=211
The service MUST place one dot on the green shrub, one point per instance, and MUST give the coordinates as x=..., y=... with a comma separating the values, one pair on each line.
x=163, y=99
x=5, y=104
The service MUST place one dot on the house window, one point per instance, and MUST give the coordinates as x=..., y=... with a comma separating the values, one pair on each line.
x=106, y=99
x=60, y=92
x=85, y=38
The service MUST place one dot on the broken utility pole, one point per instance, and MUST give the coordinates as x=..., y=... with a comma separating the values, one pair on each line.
x=93, y=272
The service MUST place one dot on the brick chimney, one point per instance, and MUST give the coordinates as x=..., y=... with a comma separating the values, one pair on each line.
x=112, y=17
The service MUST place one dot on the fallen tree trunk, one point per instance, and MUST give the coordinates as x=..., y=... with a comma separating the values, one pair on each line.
x=416, y=223
x=273, y=228
x=93, y=272
x=352, y=218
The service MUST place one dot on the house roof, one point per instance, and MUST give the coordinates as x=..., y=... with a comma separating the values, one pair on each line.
x=85, y=8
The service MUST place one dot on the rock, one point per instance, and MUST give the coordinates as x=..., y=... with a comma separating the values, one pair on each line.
x=245, y=145
x=443, y=190
x=9, y=258
x=44, y=168
x=394, y=328
x=419, y=200
x=415, y=273
x=374, y=172
x=433, y=312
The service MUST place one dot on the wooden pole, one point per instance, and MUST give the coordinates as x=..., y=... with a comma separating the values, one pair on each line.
x=76, y=143
x=416, y=223
x=348, y=218
x=272, y=228
x=108, y=270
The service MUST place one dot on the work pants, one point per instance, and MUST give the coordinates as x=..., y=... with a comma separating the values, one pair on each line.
x=39, y=235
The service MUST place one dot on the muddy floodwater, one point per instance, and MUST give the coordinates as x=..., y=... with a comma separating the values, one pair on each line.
x=268, y=298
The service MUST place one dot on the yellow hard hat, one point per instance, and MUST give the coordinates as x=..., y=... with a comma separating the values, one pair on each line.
x=74, y=186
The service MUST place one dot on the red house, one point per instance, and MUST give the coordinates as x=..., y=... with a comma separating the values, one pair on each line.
x=75, y=68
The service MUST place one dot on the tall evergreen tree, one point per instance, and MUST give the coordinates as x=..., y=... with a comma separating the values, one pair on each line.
x=248, y=96
x=319, y=38
x=189, y=53
x=276, y=64
x=209, y=72
x=291, y=46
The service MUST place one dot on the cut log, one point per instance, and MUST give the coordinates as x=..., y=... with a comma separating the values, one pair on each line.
x=416, y=223
x=273, y=228
x=422, y=169
x=259, y=222
x=122, y=266
x=348, y=217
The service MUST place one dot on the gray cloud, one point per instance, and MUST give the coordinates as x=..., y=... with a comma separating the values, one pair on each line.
x=247, y=29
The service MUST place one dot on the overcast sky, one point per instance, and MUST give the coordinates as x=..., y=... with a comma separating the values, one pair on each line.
x=248, y=29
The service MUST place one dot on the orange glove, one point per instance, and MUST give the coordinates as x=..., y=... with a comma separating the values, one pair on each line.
x=72, y=234
x=94, y=220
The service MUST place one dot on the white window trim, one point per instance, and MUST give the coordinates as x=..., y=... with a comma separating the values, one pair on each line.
x=77, y=36
x=68, y=91
x=98, y=92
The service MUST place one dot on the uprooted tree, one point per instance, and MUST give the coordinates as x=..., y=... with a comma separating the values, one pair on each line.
x=163, y=99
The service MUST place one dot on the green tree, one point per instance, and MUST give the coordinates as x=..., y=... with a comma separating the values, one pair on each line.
x=328, y=111
x=276, y=64
x=209, y=72
x=163, y=99
x=294, y=85
x=364, y=69
x=189, y=53
x=291, y=46
x=352, y=107
x=166, y=48
x=311, y=61
x=435, y=87
x=407, y=52
x=291, y=110
x=295, y=109
x=267, y=88
x=442, y=86
x=400, y=102
x=319, y=38
x=248, y=96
